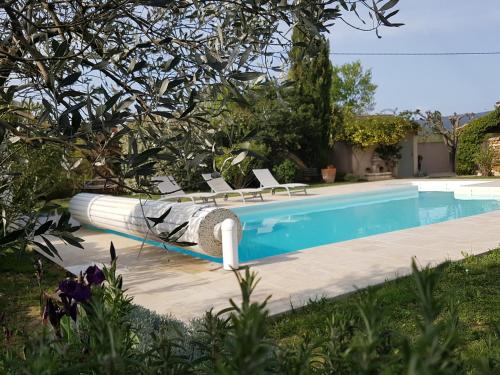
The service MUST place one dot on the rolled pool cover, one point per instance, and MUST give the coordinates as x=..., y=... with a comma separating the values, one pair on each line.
x=129, y=215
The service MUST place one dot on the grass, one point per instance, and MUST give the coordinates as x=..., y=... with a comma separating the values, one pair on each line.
x=20, y=294
x=473, y=282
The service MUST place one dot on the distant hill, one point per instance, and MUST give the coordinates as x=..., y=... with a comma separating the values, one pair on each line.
x=465, y=120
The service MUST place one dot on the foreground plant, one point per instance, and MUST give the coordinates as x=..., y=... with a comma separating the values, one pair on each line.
x=95, y=329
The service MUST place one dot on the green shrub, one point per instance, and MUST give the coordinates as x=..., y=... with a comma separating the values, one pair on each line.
x=349, y=177
x=34, y=174
x=286, y=171
x=239, y=173
x=485, y=159
x=471, y=138
x=45, y=171
x=149, y=323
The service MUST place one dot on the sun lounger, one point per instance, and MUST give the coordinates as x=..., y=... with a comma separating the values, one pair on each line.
x=267, y=181
x=220, y=186
x=171, y=190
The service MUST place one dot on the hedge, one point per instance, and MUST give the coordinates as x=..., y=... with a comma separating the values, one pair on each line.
x=470, y=139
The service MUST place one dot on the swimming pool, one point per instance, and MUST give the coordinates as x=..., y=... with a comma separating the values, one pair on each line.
x=283, y=227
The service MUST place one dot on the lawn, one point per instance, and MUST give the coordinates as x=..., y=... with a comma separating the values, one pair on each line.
x=474, y=283
x=20, y=293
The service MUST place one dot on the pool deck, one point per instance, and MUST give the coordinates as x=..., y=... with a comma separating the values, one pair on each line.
x=185, y=287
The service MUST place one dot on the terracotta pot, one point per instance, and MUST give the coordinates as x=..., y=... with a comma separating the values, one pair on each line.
x=328, y=174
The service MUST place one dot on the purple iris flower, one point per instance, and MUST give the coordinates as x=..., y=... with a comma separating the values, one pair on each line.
x=94, y=275
x=73, y=289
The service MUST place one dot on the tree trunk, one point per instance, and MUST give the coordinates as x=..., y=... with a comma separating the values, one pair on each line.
x=453, y=154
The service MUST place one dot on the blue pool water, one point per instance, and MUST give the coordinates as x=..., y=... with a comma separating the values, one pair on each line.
x=279, y=228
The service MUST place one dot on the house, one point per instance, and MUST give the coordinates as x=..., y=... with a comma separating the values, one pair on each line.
x=422, y=153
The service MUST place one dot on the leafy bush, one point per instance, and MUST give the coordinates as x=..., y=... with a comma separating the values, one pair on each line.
x=471, y=137
x=45, y=171
x=372, y=130
x=151, y=323
x=30, y=177
x=236, y=164
x=349, y=177
x=264, y=119
x=485, y=160
x=97, y=330
x=286, y=171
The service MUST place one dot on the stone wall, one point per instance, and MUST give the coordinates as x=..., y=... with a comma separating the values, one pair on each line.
x=494, y=142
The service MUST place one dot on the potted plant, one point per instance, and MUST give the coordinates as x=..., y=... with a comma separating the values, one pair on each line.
x=328, y=173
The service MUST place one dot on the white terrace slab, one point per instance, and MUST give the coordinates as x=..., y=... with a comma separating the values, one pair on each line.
x=487, y=190
x=171, y=283
x=463, y=189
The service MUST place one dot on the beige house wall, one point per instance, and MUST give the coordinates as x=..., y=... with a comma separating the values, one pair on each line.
x=357, y=161
x=342, y=157
x=408, y=165
x=436, y=157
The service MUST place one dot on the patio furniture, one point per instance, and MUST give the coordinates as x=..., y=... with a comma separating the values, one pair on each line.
x=171, y=190
x=102, y=185
x=267, y=181
x=220, y=186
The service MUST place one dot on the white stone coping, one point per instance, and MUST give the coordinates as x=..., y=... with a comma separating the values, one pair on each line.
x=463, y=189
x=444, y=185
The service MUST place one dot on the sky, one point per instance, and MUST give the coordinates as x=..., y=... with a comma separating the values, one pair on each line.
x=445, y=83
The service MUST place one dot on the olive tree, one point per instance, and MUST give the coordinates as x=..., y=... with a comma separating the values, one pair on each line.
x=88, y=75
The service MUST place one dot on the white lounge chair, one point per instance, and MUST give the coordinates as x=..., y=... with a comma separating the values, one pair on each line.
x=171, y=190
x=220, y=186
x=267, y=181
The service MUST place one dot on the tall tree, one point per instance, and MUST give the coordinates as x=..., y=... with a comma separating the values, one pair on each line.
x=352, y=87
x=433, y=122
x=311, y=74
